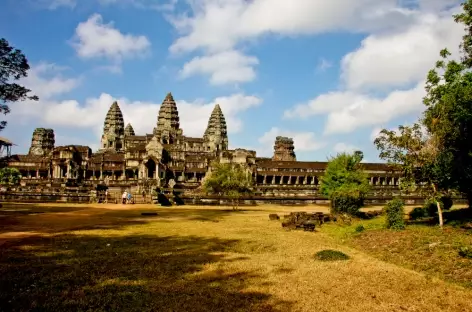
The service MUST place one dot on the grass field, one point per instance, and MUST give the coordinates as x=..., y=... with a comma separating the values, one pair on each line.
x=111, y=258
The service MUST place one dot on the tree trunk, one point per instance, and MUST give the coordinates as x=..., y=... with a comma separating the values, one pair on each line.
x=441, y=221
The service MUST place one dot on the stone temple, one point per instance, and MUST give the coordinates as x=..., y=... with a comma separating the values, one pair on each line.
x=126, y=159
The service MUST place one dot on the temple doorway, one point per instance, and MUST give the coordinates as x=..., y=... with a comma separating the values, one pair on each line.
x=151, y=169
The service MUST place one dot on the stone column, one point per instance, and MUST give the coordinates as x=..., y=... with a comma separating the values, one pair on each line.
x=371, y=181
x=297, y=180
x=265, y=179
x=281, y=179
x=290, y=179
x=313, y=180
x=37, y=173
x=273, y=179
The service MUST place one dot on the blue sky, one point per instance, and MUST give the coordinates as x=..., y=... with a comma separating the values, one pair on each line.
x=330, y=74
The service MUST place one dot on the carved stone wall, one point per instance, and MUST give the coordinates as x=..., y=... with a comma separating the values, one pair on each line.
x=284, y=149
x=42, y=142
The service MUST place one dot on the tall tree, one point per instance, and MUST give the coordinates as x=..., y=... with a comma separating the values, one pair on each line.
x=230, y=180
x=9, y=176
x=13, y=66
x=448, y=114
x=416, y=154
x=345, y=183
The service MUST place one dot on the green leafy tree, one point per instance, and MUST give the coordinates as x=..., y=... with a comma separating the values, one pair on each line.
x=345, y=183
x=415, y=153
x=231, y=180
x=13, y=66
x=9, y=176
x=448, y=114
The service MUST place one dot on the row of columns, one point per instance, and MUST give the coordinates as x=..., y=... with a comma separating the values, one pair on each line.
x=313, y=180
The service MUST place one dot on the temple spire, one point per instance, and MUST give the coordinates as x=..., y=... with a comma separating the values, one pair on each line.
x=216, y=133
x=168, y=122
x=129, y=130
x=113, y=129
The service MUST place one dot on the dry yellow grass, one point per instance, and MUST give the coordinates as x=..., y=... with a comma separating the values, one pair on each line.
x=109, y=257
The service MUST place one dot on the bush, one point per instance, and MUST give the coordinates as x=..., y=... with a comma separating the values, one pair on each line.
x=465, y=252
x=446, y=202
x=395, y=211
x=360, y=228
x=346, y=204
x=331, y=255
x=418, y=213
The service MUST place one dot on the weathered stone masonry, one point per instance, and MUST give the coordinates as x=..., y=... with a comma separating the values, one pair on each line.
x=125, y=159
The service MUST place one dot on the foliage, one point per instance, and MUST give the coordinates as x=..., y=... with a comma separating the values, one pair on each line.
x=345, y=183
x=9, y=176
x=13, y=66
x=465, y=252
x=331, y=255
x=394, y=211
x=419, y=213
x=448, y=115
x=360, y=228
x=230, y=180
x=414, y=152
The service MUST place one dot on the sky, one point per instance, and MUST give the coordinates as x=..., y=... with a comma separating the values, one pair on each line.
x=329, y=74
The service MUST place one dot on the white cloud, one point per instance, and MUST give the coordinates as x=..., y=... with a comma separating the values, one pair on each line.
x=344, y=147
x=303, y=141
x=93, y=38
x=348, y=110
x=324, y=64
x=216, y=26
x=225, y=67
x=55, y=4
x=394, y=63
x=90, y=115
x=401, y=58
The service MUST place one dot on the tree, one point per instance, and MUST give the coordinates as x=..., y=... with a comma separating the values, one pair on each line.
x=231, y=180
x=345, y=183
x=448, y=114
x=416, y=154
x=13, y=66
x=9, y=176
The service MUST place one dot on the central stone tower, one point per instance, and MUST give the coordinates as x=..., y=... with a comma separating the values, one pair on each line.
x=168, y=124
x=42, y=142
x=113, y=129
x=216, y=134
x=284, y=149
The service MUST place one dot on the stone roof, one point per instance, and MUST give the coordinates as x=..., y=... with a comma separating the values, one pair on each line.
x=114, y=119
x=78, y=148
x=168, y=114
x=193, y=140
x=216, y=124
x=129, y=131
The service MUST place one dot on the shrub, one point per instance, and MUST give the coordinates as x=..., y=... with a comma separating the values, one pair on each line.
x=446, y=202
x=395, y=211
x=331, y=255
x=465, y=252
x=360, y=228
x=346, y=204
x=418, y=213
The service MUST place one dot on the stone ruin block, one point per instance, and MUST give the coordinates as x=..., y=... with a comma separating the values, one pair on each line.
x=42, y=142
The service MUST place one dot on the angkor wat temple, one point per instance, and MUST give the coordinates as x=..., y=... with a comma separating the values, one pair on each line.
x=125, y=159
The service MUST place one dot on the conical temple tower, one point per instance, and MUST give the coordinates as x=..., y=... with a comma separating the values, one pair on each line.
x=284, y=149
x=42, y=142
x=129, y=130
x=216, y=133
x=113, y=129
x=168, y=126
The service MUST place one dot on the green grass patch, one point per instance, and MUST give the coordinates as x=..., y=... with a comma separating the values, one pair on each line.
x=421, y=247
x=331, y=255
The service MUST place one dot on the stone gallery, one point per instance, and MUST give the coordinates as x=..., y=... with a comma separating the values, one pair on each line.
x=125, y=159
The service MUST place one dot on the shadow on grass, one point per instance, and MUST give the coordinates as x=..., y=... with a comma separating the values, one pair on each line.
x=57, y=219
x=454, y=217
x=133, y=273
